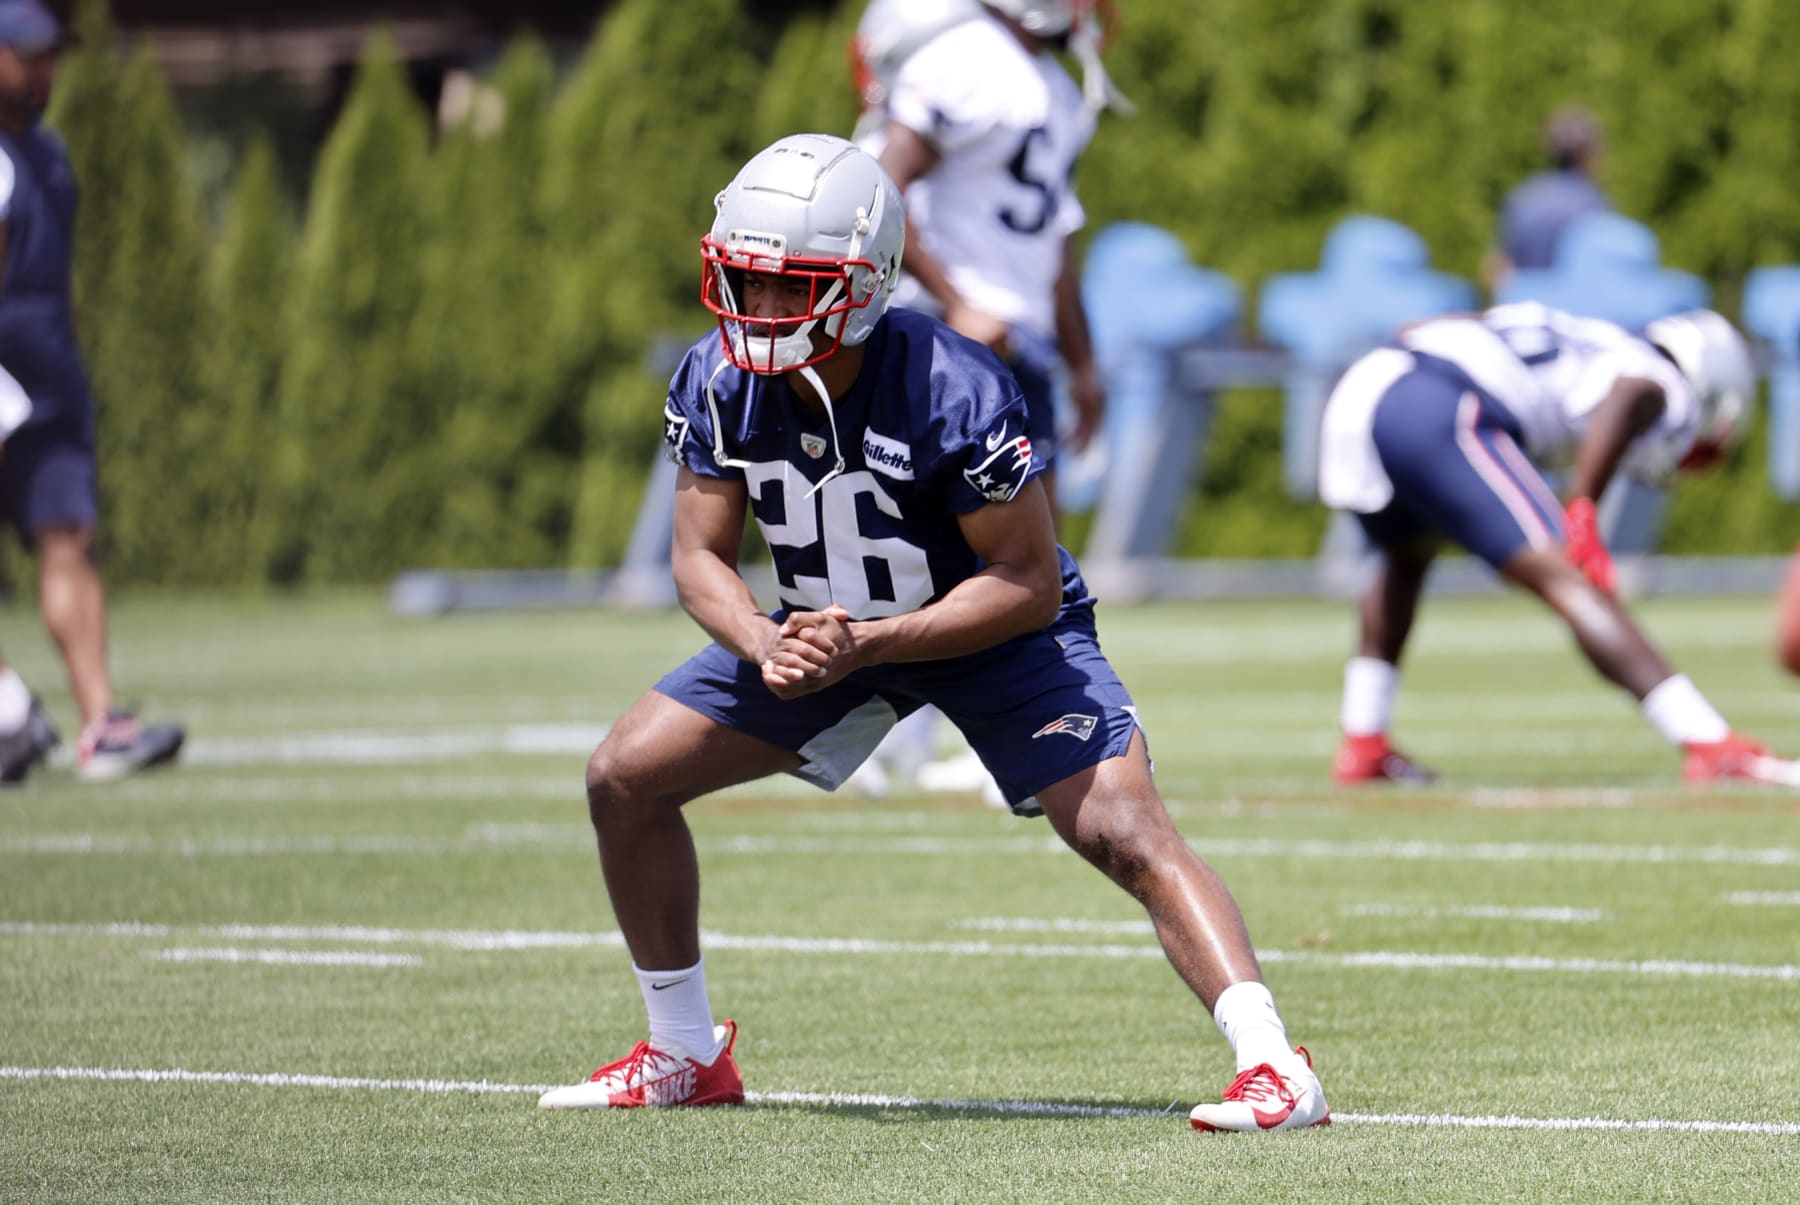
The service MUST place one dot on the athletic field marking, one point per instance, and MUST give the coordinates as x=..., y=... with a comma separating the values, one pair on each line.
x=358, y=747
x=932, y=846
x=1052, y=924
x=1780, y=899
x=1561, y=916
x=320, y=958
x=538, y=940
x=444, y=1087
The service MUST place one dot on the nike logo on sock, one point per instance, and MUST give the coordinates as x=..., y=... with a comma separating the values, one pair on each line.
x=657, y=987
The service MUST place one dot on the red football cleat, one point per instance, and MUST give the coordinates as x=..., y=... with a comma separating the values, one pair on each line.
x=1738, y=759
x=1262, y=1098
x=1372, y=759
x=658, y=1078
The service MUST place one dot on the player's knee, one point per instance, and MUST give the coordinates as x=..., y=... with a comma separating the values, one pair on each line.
x=1128, y=846
x=608, y=787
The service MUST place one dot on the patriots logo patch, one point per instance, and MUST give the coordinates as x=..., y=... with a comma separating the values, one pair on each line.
x=1078, y=726
x=675, y=430
x=1000, y=477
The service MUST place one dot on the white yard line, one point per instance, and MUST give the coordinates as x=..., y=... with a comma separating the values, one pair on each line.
x=1779, y=899
x=556, y=838
x=1557, y=916
x=319, y=958
x=1030, y=1108
x=536, y=940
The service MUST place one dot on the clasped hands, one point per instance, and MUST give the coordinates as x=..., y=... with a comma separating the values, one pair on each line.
x=809, y=651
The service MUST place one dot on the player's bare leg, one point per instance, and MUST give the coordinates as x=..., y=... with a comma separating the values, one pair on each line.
x=1618, y=648
x=1787, y=619
x=656, y=758
x=1386, y=613
x=74, y=609
x=1112, y=815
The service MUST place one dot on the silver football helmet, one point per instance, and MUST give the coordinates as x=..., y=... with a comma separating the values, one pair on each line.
x=1040, y=18
x=813, y=210
x=891, y=31
x=1714, y=358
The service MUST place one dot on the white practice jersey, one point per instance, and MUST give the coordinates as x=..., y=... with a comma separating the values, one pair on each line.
x=1550, y=369
x=1000, y=203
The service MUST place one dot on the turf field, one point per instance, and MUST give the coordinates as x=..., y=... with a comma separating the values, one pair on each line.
x=335, y=955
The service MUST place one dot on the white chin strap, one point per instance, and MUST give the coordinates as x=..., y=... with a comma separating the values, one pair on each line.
x=818, y=387
x=1097, y=88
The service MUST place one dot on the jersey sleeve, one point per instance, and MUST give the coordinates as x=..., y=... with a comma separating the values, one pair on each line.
x=979, y=450
x=688, y=436
x=6, y=184
x=946, y=99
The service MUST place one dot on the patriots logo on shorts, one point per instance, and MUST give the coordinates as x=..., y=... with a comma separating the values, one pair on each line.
x=1000, y=477
x=675, y=429
x=1078, y=726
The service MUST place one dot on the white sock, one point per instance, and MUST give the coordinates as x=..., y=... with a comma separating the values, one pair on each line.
x=1245, y=1013
x=15, y=701
x=1678, y=710
x=680, y=1014
x=1369, y=688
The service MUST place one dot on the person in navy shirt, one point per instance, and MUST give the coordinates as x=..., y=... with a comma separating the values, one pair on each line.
x=884, y=459
x=1537, y=211
x=47, y=468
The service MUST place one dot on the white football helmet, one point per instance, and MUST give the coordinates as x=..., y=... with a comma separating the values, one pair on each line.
x=1714, y=358
x=811, y=208
x=1040, y=18
x=891, y=31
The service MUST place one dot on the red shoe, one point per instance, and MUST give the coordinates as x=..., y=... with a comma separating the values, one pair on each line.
x=1738, y=759
x=1372, y=759
x=1262, y=1098
x=659, y=1078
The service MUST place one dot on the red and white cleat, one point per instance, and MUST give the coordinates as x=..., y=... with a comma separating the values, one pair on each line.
x=1263, y=1098
x=658, y=1078
x=1372, y=759
x=1738, y=759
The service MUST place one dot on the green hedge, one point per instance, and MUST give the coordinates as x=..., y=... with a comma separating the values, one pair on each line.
x=447, y=359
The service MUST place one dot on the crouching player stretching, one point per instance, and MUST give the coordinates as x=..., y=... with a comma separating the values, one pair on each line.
x=884, y=459
x=1440, y=437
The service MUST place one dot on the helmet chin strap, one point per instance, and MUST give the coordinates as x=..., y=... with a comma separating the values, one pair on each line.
x=818, y=387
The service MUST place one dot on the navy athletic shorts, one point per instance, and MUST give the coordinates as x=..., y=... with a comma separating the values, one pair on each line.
x=48, y=479
x=1035, y=709
x=1458, y=470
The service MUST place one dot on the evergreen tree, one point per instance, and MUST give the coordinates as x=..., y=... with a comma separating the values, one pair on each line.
x=356, y=473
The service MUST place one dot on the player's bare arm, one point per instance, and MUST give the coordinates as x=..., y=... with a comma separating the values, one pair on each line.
x=1018, y=591
x=709, y=525
x=1631, y=409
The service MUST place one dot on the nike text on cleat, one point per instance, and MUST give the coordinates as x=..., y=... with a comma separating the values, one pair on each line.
x=116, y=745
x=30, y=745
x=659, y=1079
x=1372, y=759
x=1263, y=1098
x=1738, y=759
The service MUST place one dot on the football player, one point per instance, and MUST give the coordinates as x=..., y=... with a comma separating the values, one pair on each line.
x=885, y=460
x=1441, y=436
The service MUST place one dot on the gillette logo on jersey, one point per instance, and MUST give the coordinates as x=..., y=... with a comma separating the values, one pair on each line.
x=1000, y=477
x=888, y=456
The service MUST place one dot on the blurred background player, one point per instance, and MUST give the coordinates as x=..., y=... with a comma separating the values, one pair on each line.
x=970, y=111
x=883, y=458
x=47, y=469
x=1438, y=437
x=1535, y=212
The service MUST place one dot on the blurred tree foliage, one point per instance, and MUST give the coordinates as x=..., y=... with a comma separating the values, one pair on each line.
x=455, y=356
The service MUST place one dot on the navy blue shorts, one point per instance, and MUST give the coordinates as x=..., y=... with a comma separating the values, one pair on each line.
x=48, y=479
x=1458, y=471
x=1034, y=362
x=1035, y=709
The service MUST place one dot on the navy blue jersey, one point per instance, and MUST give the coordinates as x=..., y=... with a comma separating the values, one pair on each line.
x=933, y=428
x=37, y=317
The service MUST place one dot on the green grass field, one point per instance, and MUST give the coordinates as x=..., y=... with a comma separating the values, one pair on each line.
x=335, y=954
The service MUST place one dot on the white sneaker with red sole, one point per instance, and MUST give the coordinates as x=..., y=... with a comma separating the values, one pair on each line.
x=1263, y=1098
x=1738, y=759
x=648, y=1077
